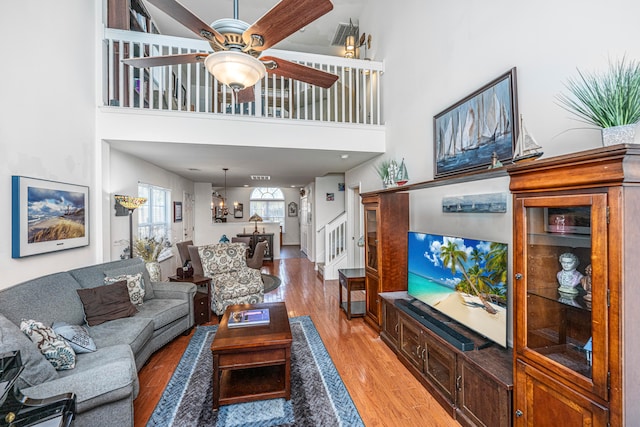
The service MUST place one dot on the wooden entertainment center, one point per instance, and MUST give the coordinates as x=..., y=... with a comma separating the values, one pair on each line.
x=474, y=386
x=576, y=356
x=463, y=382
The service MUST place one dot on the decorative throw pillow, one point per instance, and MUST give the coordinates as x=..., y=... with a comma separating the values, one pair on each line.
x=37, y=369
x=77, y=337
x=134, y=286
x=55, y=350
x=107, y=302
x=134, y=269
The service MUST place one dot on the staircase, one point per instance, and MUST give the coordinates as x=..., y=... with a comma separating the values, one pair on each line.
x=335, y=248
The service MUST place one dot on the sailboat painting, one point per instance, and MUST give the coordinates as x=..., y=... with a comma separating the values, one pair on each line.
x=470, y=131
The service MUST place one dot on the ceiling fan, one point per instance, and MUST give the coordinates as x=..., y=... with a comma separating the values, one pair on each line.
x=237, y=46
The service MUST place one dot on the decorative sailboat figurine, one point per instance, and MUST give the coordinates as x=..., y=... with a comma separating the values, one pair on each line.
x=402, y=177
x=526, y=146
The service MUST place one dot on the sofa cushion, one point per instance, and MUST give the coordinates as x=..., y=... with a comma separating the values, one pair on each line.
x=134, y=269
x=100, y=378
x=222, y=258
x=164, y=311
x=134, y=285
x=37, y=370
x=42, y=299
x=133, y=331
x=55, y=349
x=77, y=337
x=108, y=302
x=92, y=276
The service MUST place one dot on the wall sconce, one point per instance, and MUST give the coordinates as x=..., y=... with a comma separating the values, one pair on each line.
x=350, y=41
x=350, y=47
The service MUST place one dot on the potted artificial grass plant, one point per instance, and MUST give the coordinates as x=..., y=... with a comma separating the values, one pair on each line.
x=609, y=100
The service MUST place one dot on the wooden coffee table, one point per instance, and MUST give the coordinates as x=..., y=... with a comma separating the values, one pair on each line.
x=252, y=362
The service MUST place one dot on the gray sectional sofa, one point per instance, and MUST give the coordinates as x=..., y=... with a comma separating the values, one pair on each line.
x=105, y=382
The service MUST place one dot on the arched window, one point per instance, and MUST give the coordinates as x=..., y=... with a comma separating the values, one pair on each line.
x=268, y=202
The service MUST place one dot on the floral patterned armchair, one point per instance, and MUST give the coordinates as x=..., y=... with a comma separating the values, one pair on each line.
x=232, y=282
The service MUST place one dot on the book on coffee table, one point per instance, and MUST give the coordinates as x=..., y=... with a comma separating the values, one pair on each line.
x=253, y=317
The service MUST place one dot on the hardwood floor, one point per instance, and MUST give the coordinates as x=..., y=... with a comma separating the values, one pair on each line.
x=384, y=392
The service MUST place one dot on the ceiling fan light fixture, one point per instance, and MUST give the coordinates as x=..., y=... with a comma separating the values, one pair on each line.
x=237, y=70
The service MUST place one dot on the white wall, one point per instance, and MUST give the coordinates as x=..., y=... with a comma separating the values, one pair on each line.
x=326, y=210
x=47, y=117
x=125, y=173
x=461, y=46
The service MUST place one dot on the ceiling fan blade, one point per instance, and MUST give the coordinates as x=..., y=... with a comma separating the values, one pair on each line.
x=157, y=61
x=300, y=72
x=188, y=19
x=284, y=19
x=245, y=95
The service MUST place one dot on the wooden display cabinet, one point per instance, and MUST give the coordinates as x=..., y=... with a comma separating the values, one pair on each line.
x=386, y=224
x=575, y=355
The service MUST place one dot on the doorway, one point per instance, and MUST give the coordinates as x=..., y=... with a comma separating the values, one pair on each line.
x=355, y=227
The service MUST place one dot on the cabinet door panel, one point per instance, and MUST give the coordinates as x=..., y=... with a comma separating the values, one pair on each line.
x=561, y=289
x=373, y=304
x=390, y=322
x=475, y=389
x=544, y=402
x=440, y=367
x=410, y=344
x=371, y=236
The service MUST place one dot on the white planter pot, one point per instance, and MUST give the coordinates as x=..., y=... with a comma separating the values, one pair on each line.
x=614, y=135
x=153, y=267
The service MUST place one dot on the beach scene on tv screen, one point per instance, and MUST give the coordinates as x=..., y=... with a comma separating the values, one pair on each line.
x=464, y=279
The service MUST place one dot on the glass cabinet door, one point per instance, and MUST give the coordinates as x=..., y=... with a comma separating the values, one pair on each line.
x=371, y=231
x=561, y=285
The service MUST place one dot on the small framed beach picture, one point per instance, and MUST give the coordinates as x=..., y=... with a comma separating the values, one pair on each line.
x=468, y=133
x=47, y=216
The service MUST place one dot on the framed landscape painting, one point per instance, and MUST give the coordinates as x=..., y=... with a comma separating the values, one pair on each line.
x=47, y=216
x=475, y=130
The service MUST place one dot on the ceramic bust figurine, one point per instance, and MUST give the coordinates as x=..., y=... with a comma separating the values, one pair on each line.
x=569, y=278
x=586, y=282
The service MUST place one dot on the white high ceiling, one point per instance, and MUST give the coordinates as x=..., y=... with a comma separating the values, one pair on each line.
x=287, y=167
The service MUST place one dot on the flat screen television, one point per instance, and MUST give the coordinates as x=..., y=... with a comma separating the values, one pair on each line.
x=464, y=279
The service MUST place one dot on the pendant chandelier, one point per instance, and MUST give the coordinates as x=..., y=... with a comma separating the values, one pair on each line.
x=224, y=208
x=223, y=202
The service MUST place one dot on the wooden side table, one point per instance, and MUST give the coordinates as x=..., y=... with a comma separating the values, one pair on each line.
x=202, y=299
x=352, y=279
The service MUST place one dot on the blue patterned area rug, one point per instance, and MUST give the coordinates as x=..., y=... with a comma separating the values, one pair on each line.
x=318, y=395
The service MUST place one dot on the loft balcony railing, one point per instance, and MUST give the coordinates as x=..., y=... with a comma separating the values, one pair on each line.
x=354, y=98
